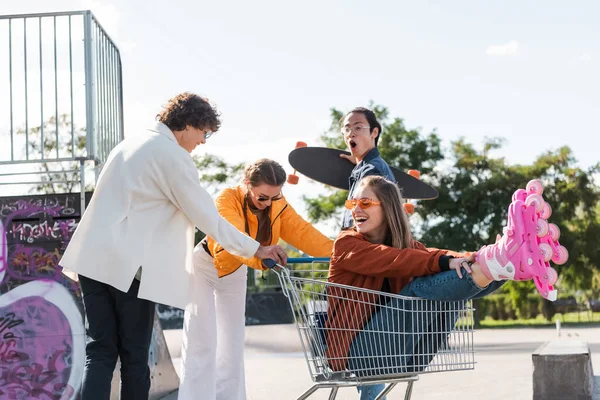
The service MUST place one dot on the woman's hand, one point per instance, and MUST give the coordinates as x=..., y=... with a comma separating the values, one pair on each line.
x=464, y=262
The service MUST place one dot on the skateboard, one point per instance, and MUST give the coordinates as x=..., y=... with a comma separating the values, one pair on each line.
x=325, y=165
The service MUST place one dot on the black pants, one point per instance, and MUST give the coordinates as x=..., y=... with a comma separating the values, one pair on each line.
x=118, y=324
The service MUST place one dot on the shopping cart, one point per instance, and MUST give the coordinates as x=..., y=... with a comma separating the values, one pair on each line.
x=410, y=336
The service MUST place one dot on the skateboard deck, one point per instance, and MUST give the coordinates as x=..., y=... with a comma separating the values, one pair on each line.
x=325, y=165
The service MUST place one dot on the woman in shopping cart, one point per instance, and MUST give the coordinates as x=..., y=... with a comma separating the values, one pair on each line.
x=213, y=342
x=378, y=253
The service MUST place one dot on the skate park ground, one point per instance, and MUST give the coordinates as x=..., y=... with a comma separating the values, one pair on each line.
x=275, y=366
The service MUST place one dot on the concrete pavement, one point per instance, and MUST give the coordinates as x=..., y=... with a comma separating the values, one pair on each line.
x=275, y=366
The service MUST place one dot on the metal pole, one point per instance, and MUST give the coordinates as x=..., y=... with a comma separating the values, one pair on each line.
x=71, y=89
x=56, y=91
x=41, y=91
x=82, y=183
x=26, y=113
x=12, y=147
x=90, y=87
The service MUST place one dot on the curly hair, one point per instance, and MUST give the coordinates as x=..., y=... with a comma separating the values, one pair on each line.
x=189, y=109
x=265, y=171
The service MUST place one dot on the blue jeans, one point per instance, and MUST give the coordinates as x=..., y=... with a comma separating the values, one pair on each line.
x=387, y=344
x=117, y=325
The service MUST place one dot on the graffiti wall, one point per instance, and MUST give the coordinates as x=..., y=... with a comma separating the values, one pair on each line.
x=42, y=337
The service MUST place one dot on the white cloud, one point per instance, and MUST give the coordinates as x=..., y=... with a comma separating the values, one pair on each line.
x=506, y=49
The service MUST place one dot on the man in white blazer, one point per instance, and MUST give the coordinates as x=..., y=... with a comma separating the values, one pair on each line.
x=133, y=246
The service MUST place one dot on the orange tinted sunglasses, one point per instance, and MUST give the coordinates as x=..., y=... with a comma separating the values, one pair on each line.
x=362, y=203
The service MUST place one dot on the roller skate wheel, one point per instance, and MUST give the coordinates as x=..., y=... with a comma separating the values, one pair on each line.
x=301, y=144
x=535, y=186
x=552, y=276
x=293, y=179
x=414, y=173
x=546, y=211
x=546, y=251
x=409, y=208
x=561, y=256
x=554, y=232
x=536, y=200
x=542, y=227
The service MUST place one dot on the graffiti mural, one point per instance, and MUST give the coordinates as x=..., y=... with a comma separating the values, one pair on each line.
x=42, y=337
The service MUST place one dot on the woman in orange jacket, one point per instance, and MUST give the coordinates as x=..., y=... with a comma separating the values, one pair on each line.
x=213, y=342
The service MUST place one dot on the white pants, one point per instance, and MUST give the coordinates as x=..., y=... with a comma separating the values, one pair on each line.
x=213, y=334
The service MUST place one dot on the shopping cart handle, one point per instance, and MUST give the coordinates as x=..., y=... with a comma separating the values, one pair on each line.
x=269, y=263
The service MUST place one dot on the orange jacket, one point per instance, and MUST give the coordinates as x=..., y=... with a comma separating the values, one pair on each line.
x=285, y=224
x=357, y=262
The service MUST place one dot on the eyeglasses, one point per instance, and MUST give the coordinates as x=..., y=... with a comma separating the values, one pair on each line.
x=208, y=134
x=363, y=203
x=347, y=130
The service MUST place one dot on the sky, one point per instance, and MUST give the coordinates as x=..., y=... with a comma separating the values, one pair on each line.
x=525, y=71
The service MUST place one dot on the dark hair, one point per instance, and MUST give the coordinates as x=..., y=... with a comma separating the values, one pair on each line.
x=189, y=109
x=265, y=171
x=371, y=119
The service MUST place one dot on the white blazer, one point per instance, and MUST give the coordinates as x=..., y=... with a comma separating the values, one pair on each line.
x=142, y=214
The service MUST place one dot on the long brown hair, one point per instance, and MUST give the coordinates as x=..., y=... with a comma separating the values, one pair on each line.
x=397, y=226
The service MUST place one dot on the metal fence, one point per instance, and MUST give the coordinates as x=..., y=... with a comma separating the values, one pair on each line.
x=61, y=102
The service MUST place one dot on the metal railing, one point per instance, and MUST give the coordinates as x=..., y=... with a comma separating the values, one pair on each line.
x=63, y=103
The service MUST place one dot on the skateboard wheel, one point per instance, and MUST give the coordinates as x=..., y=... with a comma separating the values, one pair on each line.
x=409, y=208
x=535, y=186
x=414, y=173
x=293, y=179
x=301, y=144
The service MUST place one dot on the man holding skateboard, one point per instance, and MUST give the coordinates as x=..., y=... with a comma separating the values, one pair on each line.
x=361, y=132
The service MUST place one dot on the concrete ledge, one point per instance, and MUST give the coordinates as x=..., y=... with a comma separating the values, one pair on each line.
x=562, y=369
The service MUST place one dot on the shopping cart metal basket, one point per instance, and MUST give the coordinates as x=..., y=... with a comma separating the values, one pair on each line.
x=410, y=336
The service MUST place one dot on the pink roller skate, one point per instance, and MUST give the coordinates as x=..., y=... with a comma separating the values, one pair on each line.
x=527, y=245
